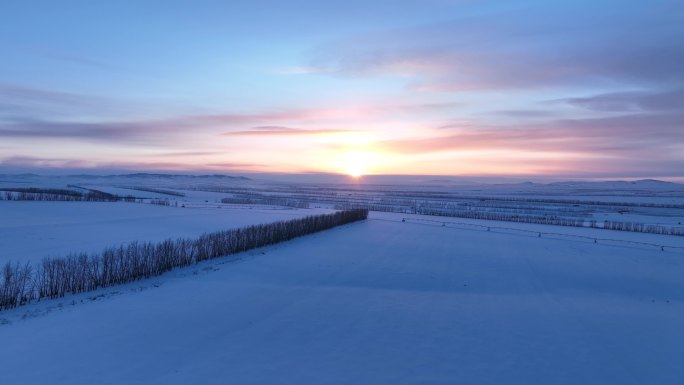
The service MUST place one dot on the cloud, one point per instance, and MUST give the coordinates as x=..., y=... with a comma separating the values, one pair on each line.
x=153, y=131
x=285, y=131
x=525, y=113
x=22, y=103
x=70, y=57
x=634, y=138
x=529, y=45
x=98, y=131
x=303, y=70
x=31, y=113
x=28, y=162
x=13, y=93
x=186, y=153
x=37, y=162
x=639, y=144
x=672, y=100
x=239, y=166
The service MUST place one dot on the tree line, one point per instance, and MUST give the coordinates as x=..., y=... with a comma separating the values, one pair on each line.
x=485, y=198
x=560, y=221
x=534, y=219
x=266, y=200
x=157, y=191
x=53, y=194
x=21, y=283
x=643, y=228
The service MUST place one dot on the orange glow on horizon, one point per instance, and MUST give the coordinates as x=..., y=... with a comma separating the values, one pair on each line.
x=357, y=162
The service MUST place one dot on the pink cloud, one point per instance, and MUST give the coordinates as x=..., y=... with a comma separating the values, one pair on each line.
x=285, y=131
x=26, y=162
x=513, y=49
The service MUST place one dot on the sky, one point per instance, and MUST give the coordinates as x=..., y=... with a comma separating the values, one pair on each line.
x=578, y=89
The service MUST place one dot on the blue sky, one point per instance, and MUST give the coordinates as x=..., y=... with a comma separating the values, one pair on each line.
x=463, y=87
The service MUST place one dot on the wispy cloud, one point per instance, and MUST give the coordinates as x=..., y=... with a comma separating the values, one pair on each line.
x=28, y=162
x=656, y=101
x=304, y=70
x=185, y=153
x=625, y=134
x=16, y=94
x=96, y=131
x=285, y=131
x=525, y=113
x=36, y=113
x=70, y=57
x=153, y=130
x=565, y=45
x=38, y=162
x=22, y=103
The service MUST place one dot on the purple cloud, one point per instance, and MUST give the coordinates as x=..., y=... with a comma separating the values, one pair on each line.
x=285, y=131
x=35, y=113
x=527, y=46
x=631, y=101
x=29, y=162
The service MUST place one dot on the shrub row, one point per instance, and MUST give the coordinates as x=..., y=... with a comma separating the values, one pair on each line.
x=75, y=273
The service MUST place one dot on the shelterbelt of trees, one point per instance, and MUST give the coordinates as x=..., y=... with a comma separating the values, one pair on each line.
x=52, y=194
x=55, y=277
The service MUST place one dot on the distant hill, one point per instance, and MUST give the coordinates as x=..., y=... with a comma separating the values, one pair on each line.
x=645, y=183
x=159, y=176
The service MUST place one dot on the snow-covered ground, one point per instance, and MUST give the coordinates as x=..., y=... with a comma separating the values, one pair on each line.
x=573, y=200
x=31, y=230
x=377, y=302
x=581, y=234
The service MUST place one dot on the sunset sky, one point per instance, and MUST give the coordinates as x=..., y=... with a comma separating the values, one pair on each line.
x=439, y=87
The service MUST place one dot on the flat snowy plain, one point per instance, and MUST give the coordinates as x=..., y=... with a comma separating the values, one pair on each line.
x=31, y=230
x=377, y=302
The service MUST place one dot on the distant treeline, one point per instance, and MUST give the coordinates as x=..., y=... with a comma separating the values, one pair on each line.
x=256, y=199
x=535, y=219
x=400, y=197
x=161, y=202
x=485, y=198
x=76, y=273
x=643, y=228
x=53, y=194
x=157, y=191
x=547, y=211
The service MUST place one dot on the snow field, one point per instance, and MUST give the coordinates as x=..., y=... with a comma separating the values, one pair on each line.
x=378, y=302
x=32, y=230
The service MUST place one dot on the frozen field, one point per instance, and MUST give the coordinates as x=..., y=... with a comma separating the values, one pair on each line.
x=645, y=202
x=33, y=230
x=377, y=302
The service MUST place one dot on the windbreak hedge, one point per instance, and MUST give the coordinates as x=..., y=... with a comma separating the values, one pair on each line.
x=76, y=273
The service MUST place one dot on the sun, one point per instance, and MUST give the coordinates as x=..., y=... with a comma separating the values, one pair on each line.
x=356, y=163
x=355, y=170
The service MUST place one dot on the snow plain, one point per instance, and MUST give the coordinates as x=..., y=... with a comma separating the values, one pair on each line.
x=31, y=230
x=377, y=302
